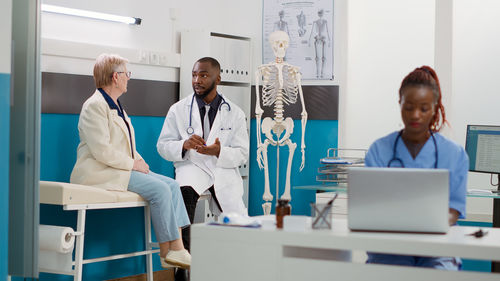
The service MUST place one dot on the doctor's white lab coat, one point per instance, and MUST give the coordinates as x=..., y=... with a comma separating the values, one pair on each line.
x=202, y=171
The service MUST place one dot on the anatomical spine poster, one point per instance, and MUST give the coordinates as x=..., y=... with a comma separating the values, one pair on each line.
x=309, y=25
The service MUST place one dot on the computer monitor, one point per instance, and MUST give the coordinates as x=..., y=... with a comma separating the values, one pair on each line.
x=483, y=147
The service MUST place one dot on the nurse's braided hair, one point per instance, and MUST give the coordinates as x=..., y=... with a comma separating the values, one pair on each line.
x=425, y=76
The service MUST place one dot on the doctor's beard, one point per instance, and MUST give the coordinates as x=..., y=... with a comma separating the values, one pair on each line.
x=205, y=93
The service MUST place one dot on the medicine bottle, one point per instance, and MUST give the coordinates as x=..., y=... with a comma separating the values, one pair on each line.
x=282, y=209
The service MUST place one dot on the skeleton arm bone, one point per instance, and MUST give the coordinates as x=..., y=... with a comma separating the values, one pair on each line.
x=258, y=117
x=303, y=121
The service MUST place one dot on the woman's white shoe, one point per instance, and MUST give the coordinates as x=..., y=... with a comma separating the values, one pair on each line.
x=166, y=265
x=180, y=258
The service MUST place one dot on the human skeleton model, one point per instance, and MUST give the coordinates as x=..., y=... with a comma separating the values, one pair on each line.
x=280, y=85
x=301, y=21
x=320, y=28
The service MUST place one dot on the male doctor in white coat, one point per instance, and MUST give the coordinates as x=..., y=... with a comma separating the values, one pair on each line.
x=206, y=155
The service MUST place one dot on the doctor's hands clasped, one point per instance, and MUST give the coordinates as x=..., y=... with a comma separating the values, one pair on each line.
x=198, y=143
x=213, y=149
x=193, y=142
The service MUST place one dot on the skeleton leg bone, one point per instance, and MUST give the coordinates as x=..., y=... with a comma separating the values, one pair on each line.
x=266, y=207
x=267, y=196
x=291, y=147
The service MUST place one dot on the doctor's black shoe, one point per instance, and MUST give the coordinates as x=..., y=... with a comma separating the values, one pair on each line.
x=181, y=274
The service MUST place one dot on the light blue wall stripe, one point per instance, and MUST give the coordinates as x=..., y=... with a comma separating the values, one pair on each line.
x=4, y=171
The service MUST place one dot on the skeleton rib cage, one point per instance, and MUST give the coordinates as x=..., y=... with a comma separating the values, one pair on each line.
x=273, y=93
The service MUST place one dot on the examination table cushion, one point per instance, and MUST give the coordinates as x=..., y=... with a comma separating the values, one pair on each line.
x=62, y=193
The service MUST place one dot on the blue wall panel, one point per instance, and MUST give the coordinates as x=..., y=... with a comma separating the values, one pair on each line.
x=116, y=231
x=147, y=131
x=4, y=171
x=108, y=232
x=320, y=135
x=59, y=140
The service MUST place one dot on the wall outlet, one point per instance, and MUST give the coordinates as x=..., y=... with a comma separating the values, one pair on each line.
x=163, y=60
x=154, y=58
x=143, y=57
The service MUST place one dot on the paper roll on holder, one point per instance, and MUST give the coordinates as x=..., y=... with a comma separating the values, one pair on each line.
x=69, y=236
x=56, y=238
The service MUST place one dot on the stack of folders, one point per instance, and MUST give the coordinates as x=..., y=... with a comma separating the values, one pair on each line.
x=484, y=192
x=333, y=168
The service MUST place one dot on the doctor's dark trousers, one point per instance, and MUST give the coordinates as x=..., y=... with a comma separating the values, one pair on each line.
x=190, y=199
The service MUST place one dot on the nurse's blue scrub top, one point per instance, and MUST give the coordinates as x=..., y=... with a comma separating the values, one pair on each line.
x=451, y=156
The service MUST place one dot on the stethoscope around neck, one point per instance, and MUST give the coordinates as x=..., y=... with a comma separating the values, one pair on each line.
x=397, y=159
x=190, y=129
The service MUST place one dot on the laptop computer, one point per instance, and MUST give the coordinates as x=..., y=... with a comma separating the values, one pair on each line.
x=398, y=199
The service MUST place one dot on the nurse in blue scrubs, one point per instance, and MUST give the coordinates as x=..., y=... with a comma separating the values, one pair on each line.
x=419, y=145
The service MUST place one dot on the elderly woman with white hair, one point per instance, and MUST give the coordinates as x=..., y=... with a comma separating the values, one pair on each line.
x=107, y=158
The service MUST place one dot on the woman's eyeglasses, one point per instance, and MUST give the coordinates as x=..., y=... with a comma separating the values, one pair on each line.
x=128, y=73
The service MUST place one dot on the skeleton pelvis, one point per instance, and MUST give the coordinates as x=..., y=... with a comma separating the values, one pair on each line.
x=271, y=126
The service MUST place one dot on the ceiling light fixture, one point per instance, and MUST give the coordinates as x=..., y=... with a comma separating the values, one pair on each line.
x=89, y=14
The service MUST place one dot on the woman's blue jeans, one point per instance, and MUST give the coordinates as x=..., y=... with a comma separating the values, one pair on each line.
x=165, y=199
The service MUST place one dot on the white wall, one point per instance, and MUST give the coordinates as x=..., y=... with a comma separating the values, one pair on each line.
x=5, y=39
x=386, y=39
x=379, y=42
x=476, y=65
x=389, y=38
x=236, y=17
x=476, y=71
x=443, y=58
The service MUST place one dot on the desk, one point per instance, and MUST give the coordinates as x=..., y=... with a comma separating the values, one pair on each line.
x=343, y=189
x=233, y=253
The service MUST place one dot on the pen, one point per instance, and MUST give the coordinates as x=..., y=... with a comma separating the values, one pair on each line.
x=327, y=207
x=478, y=234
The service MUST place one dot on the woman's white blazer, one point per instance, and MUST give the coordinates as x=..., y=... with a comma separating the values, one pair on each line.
x=104, y=157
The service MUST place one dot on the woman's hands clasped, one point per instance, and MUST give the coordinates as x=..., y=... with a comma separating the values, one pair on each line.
x=141, y=166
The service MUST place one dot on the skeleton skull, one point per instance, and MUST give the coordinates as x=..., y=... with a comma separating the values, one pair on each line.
x=279, y=42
